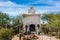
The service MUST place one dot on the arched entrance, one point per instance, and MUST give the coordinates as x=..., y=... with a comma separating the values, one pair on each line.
x=32, y=27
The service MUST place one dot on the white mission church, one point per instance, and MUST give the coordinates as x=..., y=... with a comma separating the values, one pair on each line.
x=32, y=21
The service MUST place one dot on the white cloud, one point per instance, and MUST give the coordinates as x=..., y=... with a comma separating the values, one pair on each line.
x=10, y=4
x=6, y=4
x=54, y=8
x=43, y=1
x=54, y=4
x=12, y=8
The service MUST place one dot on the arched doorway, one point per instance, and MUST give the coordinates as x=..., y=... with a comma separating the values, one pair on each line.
x=32, y=27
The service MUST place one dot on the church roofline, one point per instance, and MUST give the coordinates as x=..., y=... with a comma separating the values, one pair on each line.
x=32, y=14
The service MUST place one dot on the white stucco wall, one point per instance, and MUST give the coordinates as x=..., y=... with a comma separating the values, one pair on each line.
x=35, y=19
x=31, y=19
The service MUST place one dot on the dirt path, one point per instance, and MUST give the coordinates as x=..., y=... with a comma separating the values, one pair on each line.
x=44, y=37
x=15, y=38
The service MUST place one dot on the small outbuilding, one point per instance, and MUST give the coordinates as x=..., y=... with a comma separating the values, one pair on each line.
x=31, y=21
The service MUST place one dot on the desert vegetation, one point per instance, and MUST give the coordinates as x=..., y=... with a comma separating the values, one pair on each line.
x=51, y=24
x=13, y=26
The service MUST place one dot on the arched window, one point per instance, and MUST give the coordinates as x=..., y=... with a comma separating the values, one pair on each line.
x=26, y=26
x=38, y=25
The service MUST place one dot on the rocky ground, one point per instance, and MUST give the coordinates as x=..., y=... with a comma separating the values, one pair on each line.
x=15, y=38
x=41, y=37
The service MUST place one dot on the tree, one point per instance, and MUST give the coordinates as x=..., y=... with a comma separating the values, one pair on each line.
x=4, y=19
x=17, y=22
x=52, y=21
x=6, y=34
x=24, y=15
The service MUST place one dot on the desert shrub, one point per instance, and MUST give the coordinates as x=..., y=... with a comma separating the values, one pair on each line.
x=53, y=34
x=27, y=33
x=45, y=30
x=58, y=34
x=6, y=34
x=21, y=31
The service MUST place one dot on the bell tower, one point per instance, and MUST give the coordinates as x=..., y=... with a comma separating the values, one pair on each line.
x=31, y=10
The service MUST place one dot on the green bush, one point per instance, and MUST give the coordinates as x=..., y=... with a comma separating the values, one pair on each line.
x=21, y=31
x=6, y=34
x=27, y=33
x=45, y=30
x=53, y=33
x=59, y=34
x=56, y=34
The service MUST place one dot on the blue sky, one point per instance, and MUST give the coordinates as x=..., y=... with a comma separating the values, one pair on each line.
x=15, y=7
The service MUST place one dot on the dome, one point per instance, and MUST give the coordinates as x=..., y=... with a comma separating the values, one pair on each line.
x=31, y=10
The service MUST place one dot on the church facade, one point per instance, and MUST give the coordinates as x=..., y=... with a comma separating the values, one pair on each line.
x=31, y=23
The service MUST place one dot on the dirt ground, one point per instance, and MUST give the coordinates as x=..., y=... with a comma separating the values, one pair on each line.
x=17, y=38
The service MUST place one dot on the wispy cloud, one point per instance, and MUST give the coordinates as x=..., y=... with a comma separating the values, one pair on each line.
x=15, y=7
x=11, y=8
